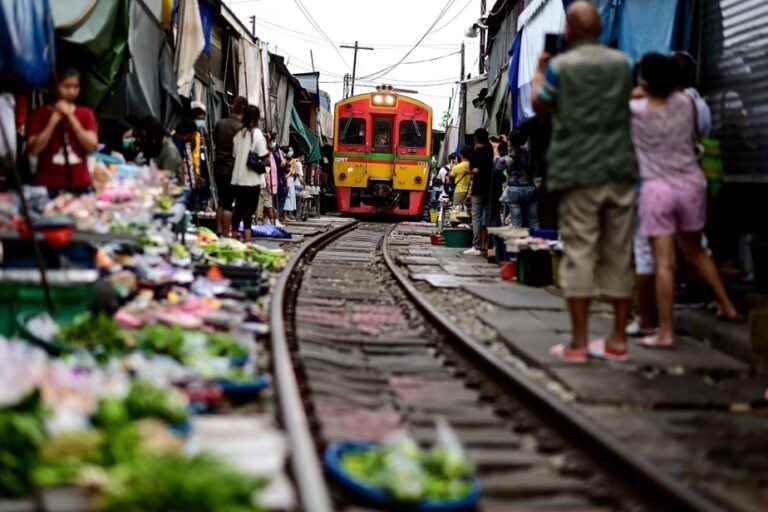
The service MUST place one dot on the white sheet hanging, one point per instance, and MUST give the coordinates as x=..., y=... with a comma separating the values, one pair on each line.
x=544, y=17
x=191, y=44
x=249, y=82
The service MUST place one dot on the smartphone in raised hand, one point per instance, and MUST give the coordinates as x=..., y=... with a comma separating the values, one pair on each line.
x=554, y=44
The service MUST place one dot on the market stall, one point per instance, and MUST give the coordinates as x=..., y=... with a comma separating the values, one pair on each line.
x=153, y=323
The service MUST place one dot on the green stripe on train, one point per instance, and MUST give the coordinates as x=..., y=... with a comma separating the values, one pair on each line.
x=383, y=156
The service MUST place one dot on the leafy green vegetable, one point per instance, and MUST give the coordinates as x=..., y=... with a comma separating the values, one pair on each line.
x=148, y=401
x=164, y=203
x=64, y=456
x=179, y=251
x=144, y=400
x=173, y=482
x=271, y=259
x=99, y=334
x=224, y=345
x=409, y=474
x=22, y=433
x=162, y=340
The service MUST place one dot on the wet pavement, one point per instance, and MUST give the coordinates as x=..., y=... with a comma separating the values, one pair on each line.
x=682, y=409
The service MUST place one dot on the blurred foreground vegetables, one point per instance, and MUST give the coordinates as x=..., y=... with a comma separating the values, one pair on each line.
x=174, y=482
x=410, y=474
x=22, y=433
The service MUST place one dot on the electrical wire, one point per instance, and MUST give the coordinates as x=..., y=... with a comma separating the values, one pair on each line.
x=319, y=30
x=433, y=59
x=447, y=23
x=384, y=71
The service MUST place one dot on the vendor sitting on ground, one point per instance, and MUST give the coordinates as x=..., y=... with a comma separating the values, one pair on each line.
x=61, y=136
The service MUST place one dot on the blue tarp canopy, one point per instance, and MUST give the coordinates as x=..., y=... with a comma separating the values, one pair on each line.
x=633, y=26
x=641, y=26
x=26, y=40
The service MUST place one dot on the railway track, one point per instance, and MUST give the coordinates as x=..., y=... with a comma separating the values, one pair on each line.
x=357, y=353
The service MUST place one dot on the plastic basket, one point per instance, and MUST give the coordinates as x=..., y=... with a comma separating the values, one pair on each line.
x=22, y=298
x=380, y=498
x=458, y=237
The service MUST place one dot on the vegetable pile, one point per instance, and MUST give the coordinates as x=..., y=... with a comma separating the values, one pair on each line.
x=410, y=474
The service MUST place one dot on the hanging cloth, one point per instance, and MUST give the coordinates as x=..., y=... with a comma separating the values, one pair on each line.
x=191, y=44
x=27, y=40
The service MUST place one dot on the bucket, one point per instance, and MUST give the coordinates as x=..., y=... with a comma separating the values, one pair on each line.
x=436, y=239
x=434, y=216
x=509, y=270
x=457, y=237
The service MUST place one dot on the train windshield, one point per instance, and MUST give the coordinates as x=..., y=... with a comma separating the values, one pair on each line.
x=352, y=131
x=413, y=134
x=382, y=135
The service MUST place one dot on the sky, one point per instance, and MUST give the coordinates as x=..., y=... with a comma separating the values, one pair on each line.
x=392, y=27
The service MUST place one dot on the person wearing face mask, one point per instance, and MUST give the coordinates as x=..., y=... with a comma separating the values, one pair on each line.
x=155, y=144
x=62, y=136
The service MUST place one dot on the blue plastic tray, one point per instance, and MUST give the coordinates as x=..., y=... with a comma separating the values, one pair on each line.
x=379, y=497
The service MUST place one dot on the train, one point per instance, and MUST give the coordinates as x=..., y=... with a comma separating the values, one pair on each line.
x=382, y=154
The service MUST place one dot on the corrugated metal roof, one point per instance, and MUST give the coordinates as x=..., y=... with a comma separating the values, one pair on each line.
x=735, y=82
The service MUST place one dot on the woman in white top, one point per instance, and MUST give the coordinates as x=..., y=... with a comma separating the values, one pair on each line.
x=247, y=183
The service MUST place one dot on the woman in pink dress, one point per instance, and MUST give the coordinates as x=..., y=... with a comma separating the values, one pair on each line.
x=673, y=196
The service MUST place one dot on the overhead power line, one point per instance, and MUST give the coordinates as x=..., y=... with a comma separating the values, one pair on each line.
x=384, y=71
x=448, y=23
x=319, y=29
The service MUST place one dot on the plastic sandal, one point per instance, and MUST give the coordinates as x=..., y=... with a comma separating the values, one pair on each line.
x=568, y=355
x=598, y=350
x=653, y=342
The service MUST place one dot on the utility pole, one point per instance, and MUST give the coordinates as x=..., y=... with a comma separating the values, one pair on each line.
x=481, y=60
x=312, y=59
x=253, y=25
x=462, y=103
x=354, y=61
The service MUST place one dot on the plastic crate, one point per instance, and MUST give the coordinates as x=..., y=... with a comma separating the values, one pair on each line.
x=23, y=298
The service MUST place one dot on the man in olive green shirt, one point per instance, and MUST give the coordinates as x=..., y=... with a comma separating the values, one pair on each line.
x=592, y=164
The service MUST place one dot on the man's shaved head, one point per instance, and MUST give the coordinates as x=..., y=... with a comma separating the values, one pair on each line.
x=583, y=22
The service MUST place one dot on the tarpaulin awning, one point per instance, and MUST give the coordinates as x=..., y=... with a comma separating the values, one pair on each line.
x=635, y=27
x=538, y=19
x=641, y=26
x=97, y=46
x=307, y=142
x=26, y=40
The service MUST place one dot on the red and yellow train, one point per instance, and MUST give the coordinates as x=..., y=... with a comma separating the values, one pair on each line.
x=382, y=152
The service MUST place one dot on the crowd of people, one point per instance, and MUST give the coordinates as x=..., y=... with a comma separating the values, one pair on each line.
x=623, y=161
x=493, y=181
x=252, y=179
x=624, y=166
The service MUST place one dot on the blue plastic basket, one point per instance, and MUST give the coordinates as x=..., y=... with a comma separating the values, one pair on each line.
x=379, y=497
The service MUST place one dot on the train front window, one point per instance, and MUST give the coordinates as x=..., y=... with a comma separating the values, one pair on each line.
x=413, y=134
x=352, y=131
x=382, y=135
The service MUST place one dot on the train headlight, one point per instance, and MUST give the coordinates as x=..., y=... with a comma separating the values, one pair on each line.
x=387, y=100
x=342, y=176
x=417, y=180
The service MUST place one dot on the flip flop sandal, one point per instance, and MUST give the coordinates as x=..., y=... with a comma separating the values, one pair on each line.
x=653, y=342
x=568, y=355
x=598, y=350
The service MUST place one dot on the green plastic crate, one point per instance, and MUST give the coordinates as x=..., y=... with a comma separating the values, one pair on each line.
x=18, y=298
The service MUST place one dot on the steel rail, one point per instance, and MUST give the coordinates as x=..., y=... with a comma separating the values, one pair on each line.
x=639, y=473
x=305, y=463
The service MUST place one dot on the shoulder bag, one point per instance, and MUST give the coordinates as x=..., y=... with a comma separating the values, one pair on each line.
x=255, y=163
